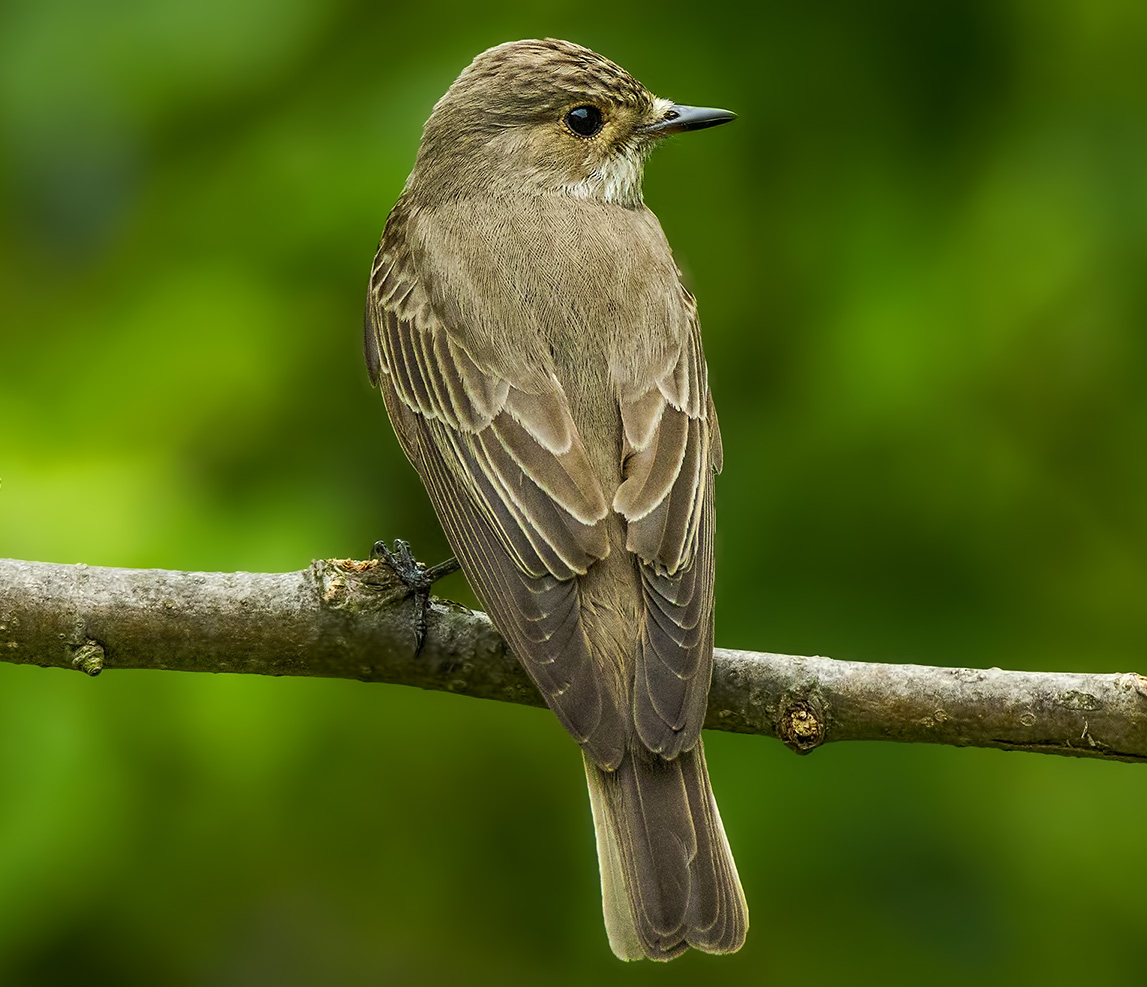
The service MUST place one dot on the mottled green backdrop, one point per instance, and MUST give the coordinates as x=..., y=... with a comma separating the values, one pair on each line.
x=920, y=260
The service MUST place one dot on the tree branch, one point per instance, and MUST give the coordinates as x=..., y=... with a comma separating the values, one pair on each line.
x=346, y=619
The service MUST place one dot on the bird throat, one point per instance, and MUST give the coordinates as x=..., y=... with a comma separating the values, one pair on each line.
x=617, y=180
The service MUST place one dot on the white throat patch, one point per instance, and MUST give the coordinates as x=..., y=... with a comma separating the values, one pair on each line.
x=617, y=180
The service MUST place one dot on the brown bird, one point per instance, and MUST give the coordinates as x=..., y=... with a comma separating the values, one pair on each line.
x=541, y=363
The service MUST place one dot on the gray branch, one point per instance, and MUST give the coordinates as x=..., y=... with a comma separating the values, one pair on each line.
x=347, y=619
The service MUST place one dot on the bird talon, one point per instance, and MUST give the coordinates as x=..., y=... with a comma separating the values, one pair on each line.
x=417, y=577
x=402, y=561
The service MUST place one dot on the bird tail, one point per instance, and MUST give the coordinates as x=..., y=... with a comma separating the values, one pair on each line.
x=668, y=880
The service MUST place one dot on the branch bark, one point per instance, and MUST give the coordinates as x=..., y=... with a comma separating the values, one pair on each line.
x=347, y=619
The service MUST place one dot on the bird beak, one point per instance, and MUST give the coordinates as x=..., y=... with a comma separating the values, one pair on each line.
x=678, y=119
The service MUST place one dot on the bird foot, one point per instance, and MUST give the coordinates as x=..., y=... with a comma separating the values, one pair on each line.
x=417, y=578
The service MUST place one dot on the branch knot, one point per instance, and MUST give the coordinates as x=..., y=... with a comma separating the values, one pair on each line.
x=801, y=724
x=89, y=658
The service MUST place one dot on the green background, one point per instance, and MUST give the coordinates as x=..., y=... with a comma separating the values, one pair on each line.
x=919, y=257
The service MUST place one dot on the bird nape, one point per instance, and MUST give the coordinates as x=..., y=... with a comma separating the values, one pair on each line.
x=541, y=363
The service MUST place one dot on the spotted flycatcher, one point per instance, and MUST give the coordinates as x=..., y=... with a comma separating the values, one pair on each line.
x=541, y=363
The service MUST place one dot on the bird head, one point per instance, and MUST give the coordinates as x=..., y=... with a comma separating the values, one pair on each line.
x=547, y=117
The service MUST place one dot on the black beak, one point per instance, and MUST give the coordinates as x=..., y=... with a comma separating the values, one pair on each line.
x=681, y=118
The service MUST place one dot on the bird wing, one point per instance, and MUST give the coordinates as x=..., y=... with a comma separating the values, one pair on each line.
x=510, y=480
x=672, y=448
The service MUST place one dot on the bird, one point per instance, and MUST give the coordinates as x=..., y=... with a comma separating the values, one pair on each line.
x=541, y=364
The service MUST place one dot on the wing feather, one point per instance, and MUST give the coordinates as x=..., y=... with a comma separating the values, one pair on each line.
x=672, y=448
x=539, y=615
x=652, y=471
x=512, y=484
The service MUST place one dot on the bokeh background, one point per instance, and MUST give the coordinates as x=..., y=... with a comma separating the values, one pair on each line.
x=919, y=256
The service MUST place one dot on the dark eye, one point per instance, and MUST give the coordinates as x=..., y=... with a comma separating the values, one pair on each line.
x=585, y=121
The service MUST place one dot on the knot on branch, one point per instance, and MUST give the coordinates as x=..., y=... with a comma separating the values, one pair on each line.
x=801, y=724
x=89, y=658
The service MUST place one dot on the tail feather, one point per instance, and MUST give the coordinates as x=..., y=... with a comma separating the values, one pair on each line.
x=668, y=880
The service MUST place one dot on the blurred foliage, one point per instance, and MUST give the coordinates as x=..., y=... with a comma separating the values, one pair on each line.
x=919, y=257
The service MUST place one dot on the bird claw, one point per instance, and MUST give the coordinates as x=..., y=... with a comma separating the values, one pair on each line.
x=406, y=567
x=417, y=578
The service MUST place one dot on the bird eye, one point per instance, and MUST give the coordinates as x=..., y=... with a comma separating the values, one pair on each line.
x=585, y=121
